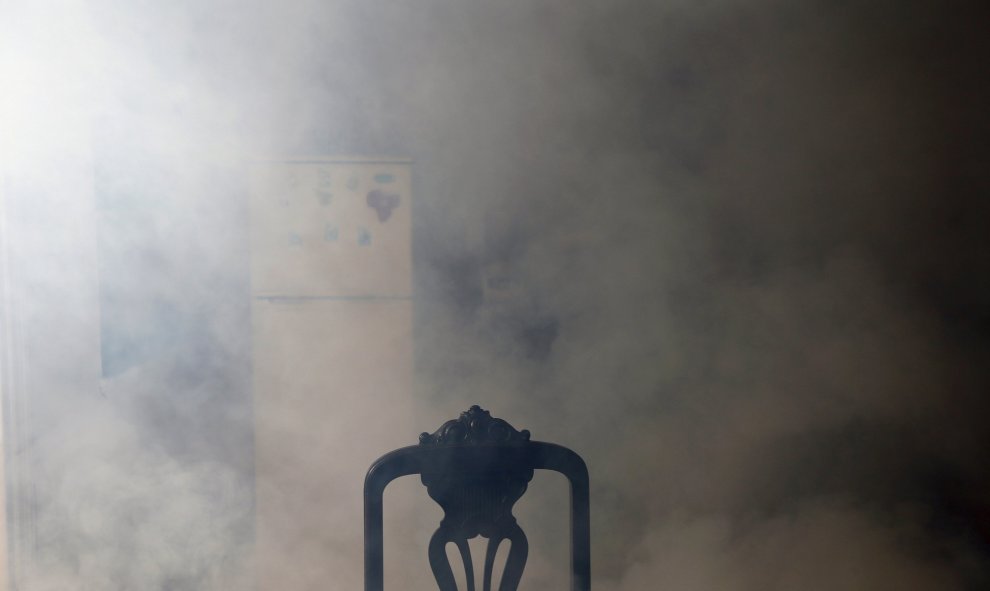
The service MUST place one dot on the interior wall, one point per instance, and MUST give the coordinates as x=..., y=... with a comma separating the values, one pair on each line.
x=733, y=252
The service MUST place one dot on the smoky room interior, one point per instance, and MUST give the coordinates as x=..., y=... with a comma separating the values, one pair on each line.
x=732, y=254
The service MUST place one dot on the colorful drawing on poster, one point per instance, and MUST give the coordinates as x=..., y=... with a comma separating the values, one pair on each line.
x=295, y=239
x=331, y=233
x=383, y=203
x=363, y=237
x=324, y=197
x=352, y=182
x=384, y=178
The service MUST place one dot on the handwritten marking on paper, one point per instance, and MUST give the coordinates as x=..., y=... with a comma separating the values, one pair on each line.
x=324, y=178
x=383, y=203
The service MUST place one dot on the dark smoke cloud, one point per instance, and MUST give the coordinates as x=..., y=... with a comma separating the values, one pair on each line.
x=731, y=252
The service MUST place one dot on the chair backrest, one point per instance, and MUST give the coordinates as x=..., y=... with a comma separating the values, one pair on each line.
x=476, y=467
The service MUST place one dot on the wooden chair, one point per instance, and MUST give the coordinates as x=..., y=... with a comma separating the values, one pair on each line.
x=476, y=467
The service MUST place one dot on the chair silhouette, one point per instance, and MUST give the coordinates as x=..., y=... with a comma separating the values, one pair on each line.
x=476, y=467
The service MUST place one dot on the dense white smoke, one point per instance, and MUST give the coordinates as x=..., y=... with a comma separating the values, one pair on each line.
x=728, y=251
